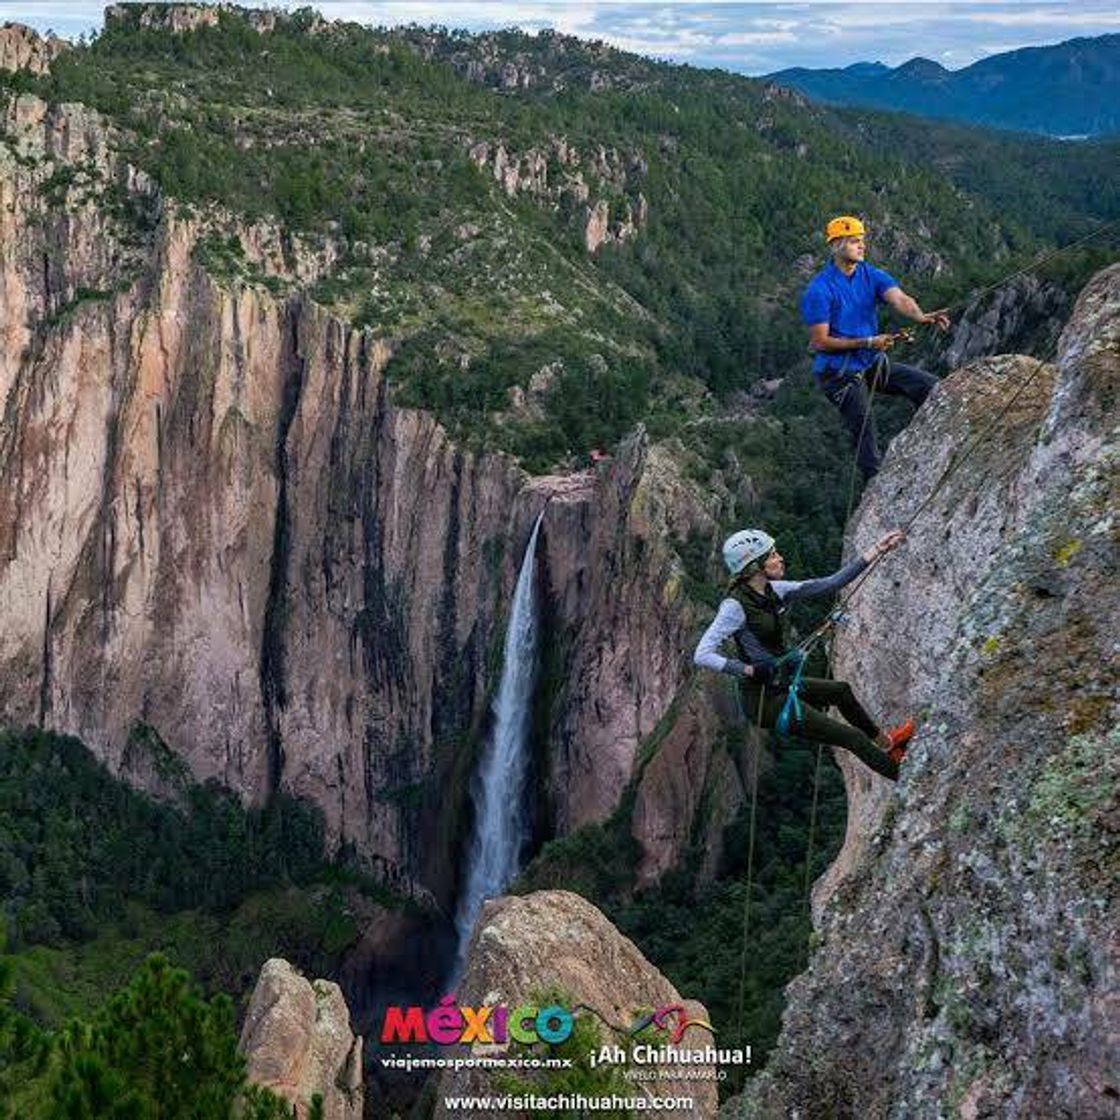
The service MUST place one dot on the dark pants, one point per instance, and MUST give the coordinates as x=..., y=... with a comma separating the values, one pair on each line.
x=850, y=393
x=857, y=735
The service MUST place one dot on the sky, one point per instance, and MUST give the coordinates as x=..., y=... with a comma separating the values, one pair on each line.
x=751, y=38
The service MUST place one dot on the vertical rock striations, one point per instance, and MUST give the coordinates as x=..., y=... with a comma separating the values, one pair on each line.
x=969, y=960
x=217, y=531
x=621, y=624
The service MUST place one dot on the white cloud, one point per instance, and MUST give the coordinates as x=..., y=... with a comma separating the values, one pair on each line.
x=750, y=36
x=1065, y=18
x=753, y=38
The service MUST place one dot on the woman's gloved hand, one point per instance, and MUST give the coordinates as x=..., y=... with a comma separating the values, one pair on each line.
x=763, y=671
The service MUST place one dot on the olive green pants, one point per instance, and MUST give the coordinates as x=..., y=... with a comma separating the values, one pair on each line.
x=857, y=735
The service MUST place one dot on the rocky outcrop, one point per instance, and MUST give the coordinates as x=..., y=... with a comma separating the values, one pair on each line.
x=597, y=226
x=771, y=91
x=693, y=782
x=1025, y=314
x=180, y=19
x=909, y=246
x=209, y=531
x=511, y=61
x=21, y=48
x=529, y=171
x=618, y=619
x=554, y=942
x=560, y=176
x=177, y=19
x=298, y=1043
x=968, y=963
x=601, y=228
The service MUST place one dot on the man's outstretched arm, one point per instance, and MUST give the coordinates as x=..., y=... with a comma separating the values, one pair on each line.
x=908, y=306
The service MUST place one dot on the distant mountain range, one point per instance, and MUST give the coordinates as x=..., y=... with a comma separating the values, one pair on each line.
x=1071, y=89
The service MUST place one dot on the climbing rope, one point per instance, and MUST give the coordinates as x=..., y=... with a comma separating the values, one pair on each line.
x=812, y=825
x=881, y=366
x=750, y=856
x=974, y=297
x=790, y=715
x=836, y=614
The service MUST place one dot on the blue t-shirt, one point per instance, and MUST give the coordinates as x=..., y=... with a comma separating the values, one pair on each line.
x=847, y=305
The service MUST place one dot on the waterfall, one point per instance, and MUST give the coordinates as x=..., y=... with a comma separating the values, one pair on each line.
x=499, y=787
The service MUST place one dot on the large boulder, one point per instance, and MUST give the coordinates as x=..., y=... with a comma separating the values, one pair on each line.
x=968, y=954
x=298, y=1043
x=557, y=942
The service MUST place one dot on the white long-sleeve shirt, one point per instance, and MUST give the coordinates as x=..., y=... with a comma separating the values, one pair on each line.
x=731, y=618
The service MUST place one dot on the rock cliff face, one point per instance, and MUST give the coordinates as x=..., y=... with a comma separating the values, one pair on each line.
x=179, y=19
x=573, y=177
x=24, y=49
x=214, y=524
x=555, y=941
x=1017, y=316
x=969, y=961
x=693, y=780
x=297, y=1042
x=618, y=621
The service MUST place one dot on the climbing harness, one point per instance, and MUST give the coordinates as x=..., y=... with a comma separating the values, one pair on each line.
x=791, y=710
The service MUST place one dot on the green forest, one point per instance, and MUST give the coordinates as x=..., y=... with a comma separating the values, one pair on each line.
x=129, y=927
x=156, y=1049
x=362, y=138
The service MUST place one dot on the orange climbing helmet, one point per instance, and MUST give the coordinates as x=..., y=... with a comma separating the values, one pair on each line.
x=845, y=226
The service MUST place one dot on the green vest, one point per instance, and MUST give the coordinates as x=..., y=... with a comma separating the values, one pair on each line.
x=767, y=619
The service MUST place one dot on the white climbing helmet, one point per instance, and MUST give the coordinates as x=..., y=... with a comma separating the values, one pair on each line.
x=744, y=546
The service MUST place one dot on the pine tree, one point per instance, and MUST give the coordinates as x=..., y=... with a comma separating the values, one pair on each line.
x=157, y=1051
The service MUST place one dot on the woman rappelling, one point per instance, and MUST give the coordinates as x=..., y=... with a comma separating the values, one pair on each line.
x=755, y=616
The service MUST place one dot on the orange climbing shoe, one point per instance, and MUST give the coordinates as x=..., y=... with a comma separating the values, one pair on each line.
x=900, y=737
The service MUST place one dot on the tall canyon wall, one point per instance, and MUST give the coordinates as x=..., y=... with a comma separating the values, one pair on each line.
x=214, y=524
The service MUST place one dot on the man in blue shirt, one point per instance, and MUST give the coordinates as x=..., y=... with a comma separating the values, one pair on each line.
x=840, y=309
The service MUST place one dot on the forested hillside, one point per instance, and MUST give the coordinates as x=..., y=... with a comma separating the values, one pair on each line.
x=561, y=240
x=95, y=877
